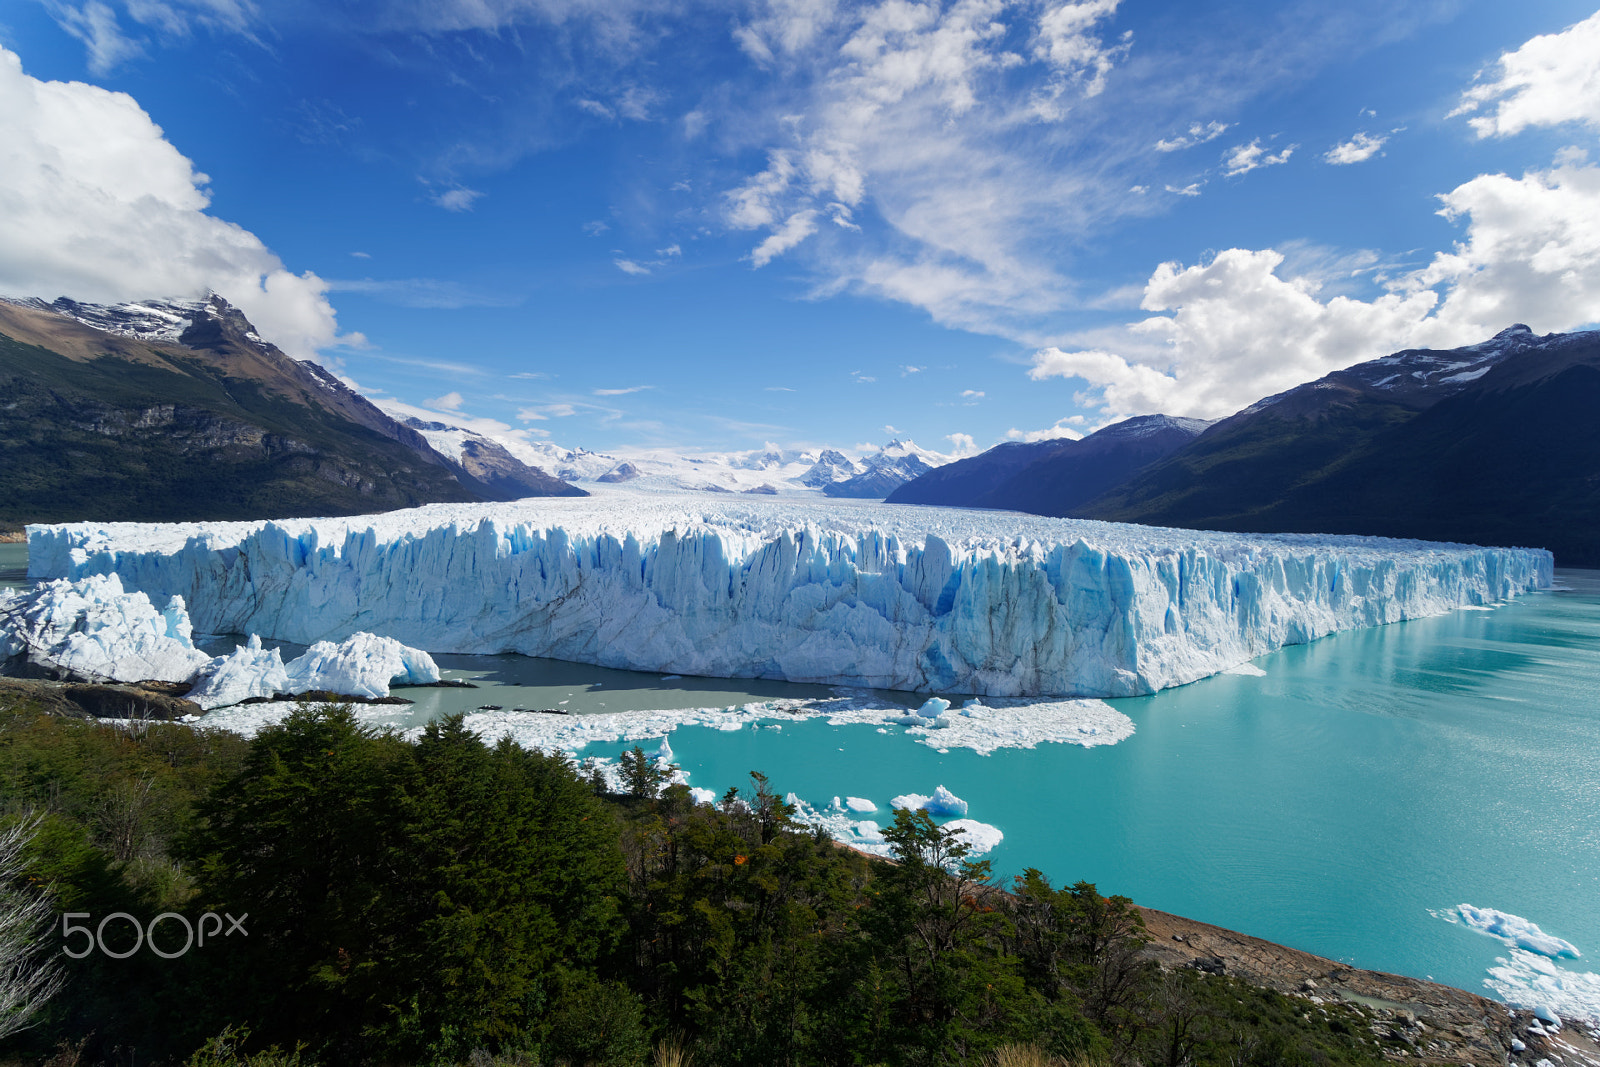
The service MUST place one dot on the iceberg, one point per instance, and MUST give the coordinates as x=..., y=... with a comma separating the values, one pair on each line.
x=363, y=665
x=942, y=802
x=855, y=593
x=249, y=672
x=96, y=630
x=1516, y=932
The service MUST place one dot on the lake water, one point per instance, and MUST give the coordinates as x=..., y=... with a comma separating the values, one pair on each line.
x=1341, y=803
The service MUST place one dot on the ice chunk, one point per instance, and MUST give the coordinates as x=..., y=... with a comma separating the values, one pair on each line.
x=942, y=802
x=857, y=804
x=362, y=665
x=925, y=599
x=1515, y=931
x=245, y=673
x=702, y=796
x=980, y=837
x=933, y=708
x=94, y=629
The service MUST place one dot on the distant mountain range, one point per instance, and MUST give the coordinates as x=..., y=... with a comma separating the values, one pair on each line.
x=1496, y=443
x=180, y=411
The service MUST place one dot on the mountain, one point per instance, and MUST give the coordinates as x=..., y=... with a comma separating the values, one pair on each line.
x=181, y=411
x=1495, y=443
x=897, y=463
x=1052, y=477
x=485, y=466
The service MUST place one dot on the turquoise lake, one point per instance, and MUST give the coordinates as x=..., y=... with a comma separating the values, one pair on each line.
x=1366, y=782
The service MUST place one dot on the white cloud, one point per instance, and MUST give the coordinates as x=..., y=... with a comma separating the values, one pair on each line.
x=1199, y=133
x=972, y=396
x=628, y=266
x=449, y=402
x=1235, y=330
x=670, y=250
x=890, y=430
x=457, y=199
x=1552, y=79
x=595, y=228
x=542, y=412
x=962, y=444
x=858, y=377
x=1244, y=158
x=1360, y=148
x=796, y=228
x=1192, y=189
x=95, y=24
x=778, y=389
x=596, y=108
x=906, y=370
x=98, y=205
x=939, y=116
x=362, y=255
x=623, y=392
x=1050, y=433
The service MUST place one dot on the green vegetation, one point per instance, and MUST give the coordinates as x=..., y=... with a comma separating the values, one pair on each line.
x=121, y=439
x=446, y=901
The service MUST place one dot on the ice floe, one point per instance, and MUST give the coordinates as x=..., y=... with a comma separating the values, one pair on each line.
x=1532, y=981
x=1512, y=930
x=940, y=802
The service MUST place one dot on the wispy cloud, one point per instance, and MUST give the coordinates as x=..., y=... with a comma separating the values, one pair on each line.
x=1244, y=158
x=623, y=392
x=1199, y=133
x=628, y=266
x=422, y=292
x=457, y=199
x=1360, y=148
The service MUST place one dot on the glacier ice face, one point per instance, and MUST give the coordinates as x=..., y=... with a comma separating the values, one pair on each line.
x=866, y=594
x=95, y=629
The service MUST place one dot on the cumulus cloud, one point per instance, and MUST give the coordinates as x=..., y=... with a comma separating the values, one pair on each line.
x=449, y=402
x=628, y=266
x=1360, y=148
x=962, y=444
x=1244, y=158
x=1552, y=79
x=1063, y=428
x=1199, y=133
x=98, y=205
x=1233, y=330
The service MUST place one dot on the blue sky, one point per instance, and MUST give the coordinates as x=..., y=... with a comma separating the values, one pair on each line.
x=721, y=224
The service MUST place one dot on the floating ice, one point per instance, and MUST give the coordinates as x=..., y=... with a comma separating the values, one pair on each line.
x=921, y=599
x=245, y=673
x=1250, y=670
x=95, y=629
x=362, y=665
x=1515, y=931
x=942, y=802
x=702, y=796
x=979, y=837
x=1534, y=982
x=857, y=804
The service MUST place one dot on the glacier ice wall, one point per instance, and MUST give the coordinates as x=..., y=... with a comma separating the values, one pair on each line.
x=861, y=593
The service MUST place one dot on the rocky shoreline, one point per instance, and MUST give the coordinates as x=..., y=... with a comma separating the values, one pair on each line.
x=1415, y=1021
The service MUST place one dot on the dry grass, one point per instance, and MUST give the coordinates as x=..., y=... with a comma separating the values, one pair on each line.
x=671, y=1053
x=1033, y=1056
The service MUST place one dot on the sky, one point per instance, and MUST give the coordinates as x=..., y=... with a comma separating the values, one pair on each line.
x=726, y=224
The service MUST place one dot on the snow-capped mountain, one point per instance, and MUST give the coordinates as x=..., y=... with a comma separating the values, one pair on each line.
x=180, y=410
x=769, y=470
x=487, y=465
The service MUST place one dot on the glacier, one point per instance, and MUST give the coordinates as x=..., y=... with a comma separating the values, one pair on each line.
x=95, y=629
x=855, y=593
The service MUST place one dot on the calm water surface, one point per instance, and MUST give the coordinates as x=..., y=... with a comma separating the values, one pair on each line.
x=1367, y=780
